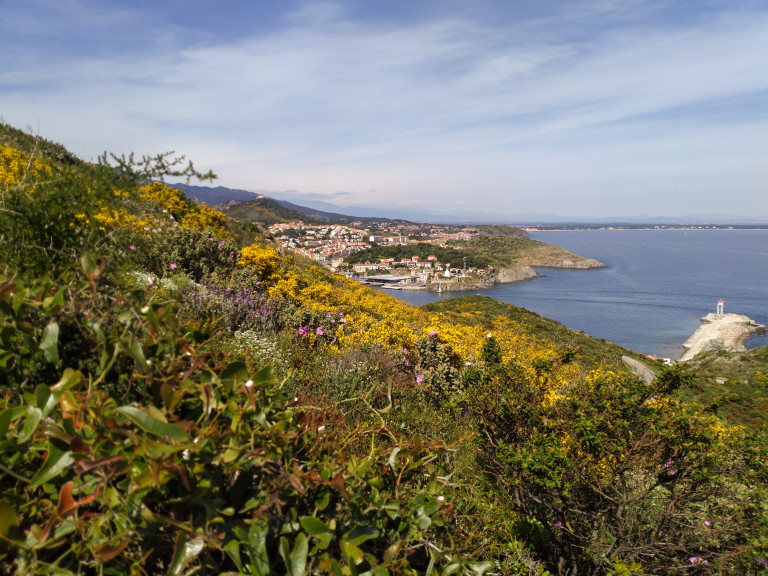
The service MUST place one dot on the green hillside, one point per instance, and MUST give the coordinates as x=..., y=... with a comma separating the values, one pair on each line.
x=508, y=251
x=266, y=211
x=180, y=396
x=483, y=311
x=732, y=384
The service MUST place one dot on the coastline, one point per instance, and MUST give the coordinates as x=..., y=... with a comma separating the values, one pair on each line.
x=721, y=332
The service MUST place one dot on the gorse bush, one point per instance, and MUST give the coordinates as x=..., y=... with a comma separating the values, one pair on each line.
x=178, y=396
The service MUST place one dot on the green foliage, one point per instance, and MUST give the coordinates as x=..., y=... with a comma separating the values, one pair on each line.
x=732, y=385
x=194, y=252
x=617, y=471
x=439, y=368
x=422, y=250
x=196, y=460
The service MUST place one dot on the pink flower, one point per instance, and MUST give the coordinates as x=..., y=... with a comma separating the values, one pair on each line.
x=433, y=332
x=319, y=331
x=221, y=243
x=304, y=330
x=173, y=266
x=419, y=379
x=132, y=247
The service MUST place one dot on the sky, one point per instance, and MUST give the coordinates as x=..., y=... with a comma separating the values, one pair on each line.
x=580, y=108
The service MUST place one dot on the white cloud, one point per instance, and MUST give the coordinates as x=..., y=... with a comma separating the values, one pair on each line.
x=426, y=112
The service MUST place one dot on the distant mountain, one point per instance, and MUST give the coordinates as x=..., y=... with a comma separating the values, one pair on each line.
x=215, y=196
x=260, y=208
x=327, y=211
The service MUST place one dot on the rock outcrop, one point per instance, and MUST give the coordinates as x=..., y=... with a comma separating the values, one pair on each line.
x=721, y=331
x=569, y=260
x=516, y=274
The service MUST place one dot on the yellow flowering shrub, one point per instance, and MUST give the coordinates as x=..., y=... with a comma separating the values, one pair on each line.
x=111, y=218
x=16, y=166
x=168, y=198
x=262, y=259
x=205, y=218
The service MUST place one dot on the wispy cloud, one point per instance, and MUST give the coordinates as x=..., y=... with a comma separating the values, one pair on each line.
x=608, y=96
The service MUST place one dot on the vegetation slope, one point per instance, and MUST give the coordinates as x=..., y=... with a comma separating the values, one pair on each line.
x=179, y=396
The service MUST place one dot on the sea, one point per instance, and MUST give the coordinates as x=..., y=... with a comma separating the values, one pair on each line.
x=656, y=287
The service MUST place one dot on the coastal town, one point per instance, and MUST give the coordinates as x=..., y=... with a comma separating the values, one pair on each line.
x=331, y=245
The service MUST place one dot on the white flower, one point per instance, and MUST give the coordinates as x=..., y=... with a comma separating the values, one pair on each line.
x=249, y=383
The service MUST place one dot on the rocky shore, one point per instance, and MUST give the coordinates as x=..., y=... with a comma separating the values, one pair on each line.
x=721, y=331
x=521, y=271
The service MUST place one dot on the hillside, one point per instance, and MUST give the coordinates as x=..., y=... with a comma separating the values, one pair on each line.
x=484, y=312
x=510, y=251
x=178, y=395
x=265, y=212
x=732, y=384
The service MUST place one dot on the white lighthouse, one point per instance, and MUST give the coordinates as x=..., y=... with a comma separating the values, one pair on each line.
x=720, y=307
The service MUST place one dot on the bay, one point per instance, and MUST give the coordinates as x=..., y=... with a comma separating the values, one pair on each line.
x=656, y=287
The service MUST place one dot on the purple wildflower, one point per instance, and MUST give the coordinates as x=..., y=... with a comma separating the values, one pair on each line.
x=173, y=266
x=319, y=331
x=697, y=560
x=132, y=247
x=221, y=243
x=433, y=332
x=419, y=379
x=303, y=330
x=405, y=361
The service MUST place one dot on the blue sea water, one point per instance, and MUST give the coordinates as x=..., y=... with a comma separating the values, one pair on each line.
x=657, y=285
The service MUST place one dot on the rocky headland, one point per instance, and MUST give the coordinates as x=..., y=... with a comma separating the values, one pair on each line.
x=721, y=331
x=521, y=268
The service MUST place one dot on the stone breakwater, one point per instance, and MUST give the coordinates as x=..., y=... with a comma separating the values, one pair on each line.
x=721, y=331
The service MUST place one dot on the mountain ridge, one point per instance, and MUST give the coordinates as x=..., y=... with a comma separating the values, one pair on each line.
x=293, y=199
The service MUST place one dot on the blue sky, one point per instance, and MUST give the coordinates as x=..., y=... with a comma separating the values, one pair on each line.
x=588, y=108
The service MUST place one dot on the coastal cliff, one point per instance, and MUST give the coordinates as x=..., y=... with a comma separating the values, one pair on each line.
x=513, y=274
x=721, y=331
x=565, y=260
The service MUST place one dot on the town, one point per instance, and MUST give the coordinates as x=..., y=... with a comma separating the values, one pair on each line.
x=333, y=244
